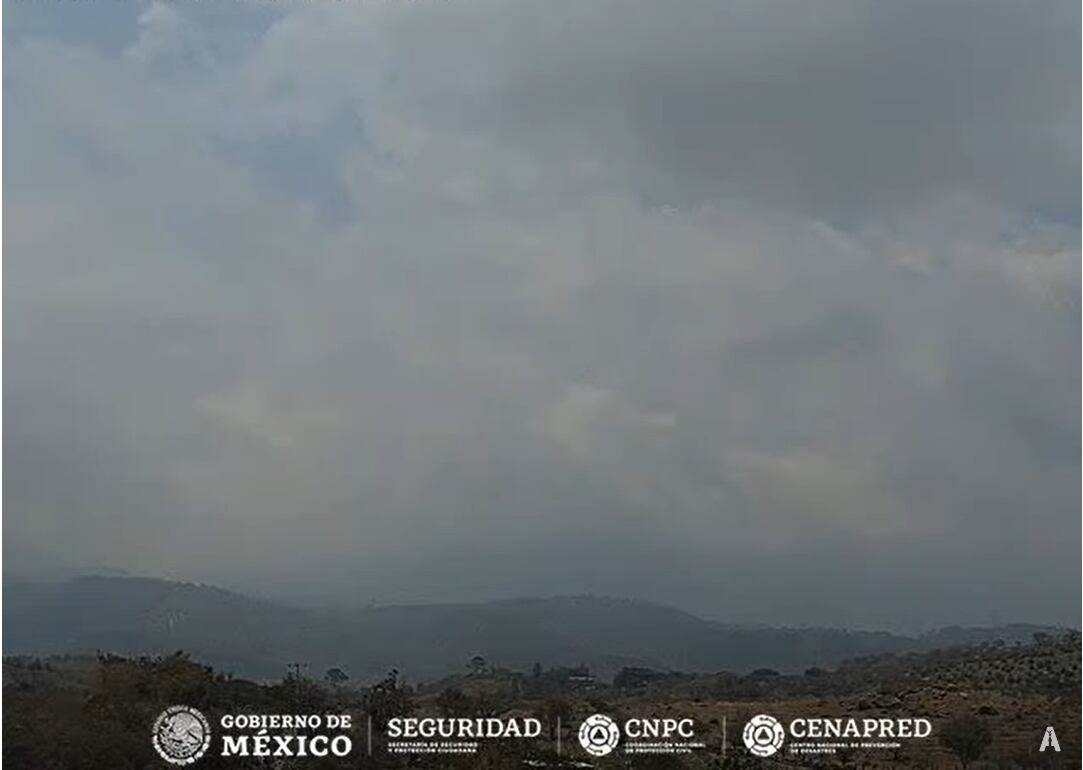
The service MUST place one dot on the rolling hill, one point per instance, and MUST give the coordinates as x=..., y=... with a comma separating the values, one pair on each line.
x=255, y=638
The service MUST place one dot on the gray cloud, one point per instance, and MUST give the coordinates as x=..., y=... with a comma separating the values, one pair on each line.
x=831, y=107
x=769, y=312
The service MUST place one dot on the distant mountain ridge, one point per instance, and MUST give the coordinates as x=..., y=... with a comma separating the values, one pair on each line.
x=256, y=638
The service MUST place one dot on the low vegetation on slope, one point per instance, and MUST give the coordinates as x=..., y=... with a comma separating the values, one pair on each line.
x=90, y=713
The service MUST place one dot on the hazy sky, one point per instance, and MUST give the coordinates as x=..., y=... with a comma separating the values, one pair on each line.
x=769, y=310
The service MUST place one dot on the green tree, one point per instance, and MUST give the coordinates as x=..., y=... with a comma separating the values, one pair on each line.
x=967, y=737
x=336, y=677
x=557, y=710
x=452, y=702
x=388, y=698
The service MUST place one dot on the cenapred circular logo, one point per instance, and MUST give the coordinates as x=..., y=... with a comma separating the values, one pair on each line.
x=764, y=735
x=181, y=735
x=599, y=735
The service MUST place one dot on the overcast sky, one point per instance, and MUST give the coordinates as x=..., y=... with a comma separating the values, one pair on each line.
x=768, y=310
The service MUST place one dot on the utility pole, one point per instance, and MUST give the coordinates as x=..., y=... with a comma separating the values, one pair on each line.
x=296, y=669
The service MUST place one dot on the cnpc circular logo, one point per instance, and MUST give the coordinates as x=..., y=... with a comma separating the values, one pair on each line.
x=181, y=735
x=598, y=735
x=763, y=735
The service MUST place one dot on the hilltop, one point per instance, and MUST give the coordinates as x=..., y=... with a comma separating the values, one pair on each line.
x=256, y=638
